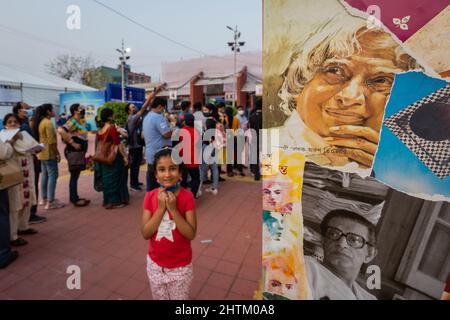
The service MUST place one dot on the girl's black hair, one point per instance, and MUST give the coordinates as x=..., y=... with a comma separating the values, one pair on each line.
x=106, y=115
x=166, y=152
x=9, y=115
x=74, y=108
x=197, y=106
x=215, y=113
x=210, y=107
x=40, y=113
x=17, y=107
x=229, y=113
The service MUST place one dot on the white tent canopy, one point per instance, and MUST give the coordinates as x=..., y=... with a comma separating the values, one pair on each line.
x=35, y=89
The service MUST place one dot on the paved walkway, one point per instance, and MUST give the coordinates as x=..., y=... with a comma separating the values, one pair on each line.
x=110, y=251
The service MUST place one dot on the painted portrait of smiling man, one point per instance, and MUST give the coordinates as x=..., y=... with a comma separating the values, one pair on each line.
x=334, y=90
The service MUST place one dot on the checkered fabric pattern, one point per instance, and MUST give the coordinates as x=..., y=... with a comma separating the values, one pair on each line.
x=434, y=154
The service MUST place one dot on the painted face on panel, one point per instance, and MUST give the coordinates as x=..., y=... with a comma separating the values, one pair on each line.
x=281, y=283
x=347, y=91
x=272, y=195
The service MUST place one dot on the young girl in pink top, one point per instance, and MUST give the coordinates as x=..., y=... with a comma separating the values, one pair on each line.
x=169, y=222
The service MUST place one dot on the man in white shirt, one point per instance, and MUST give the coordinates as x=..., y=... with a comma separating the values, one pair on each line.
x=348, y=243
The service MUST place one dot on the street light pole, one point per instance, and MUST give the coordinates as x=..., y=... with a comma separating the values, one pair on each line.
x=123, y=58
x=235, y=73
x=235, y=46
x=122, y=64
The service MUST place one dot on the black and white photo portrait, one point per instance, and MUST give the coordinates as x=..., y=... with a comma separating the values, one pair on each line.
x=364, y=240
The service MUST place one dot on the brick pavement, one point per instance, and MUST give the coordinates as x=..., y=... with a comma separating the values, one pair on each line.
x=110, y=251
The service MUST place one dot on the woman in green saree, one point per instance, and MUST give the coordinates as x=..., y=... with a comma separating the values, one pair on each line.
x=112, y=179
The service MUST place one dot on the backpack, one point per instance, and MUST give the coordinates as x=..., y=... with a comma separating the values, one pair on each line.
x=138, y=130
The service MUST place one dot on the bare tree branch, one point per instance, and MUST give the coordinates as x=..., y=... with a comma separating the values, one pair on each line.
x=70, y=67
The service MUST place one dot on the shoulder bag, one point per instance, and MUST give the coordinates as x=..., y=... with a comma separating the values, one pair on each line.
x=10, y=174
x=105, y=151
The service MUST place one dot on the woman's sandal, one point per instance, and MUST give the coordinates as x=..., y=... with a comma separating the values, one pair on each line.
x=18, y=242
x=82, y=203
x=114, y=206
x=27, y=232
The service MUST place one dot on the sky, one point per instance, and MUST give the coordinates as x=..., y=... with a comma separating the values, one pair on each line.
x=34, y=31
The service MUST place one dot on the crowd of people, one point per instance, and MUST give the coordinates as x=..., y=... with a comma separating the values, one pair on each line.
x=29, y=152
